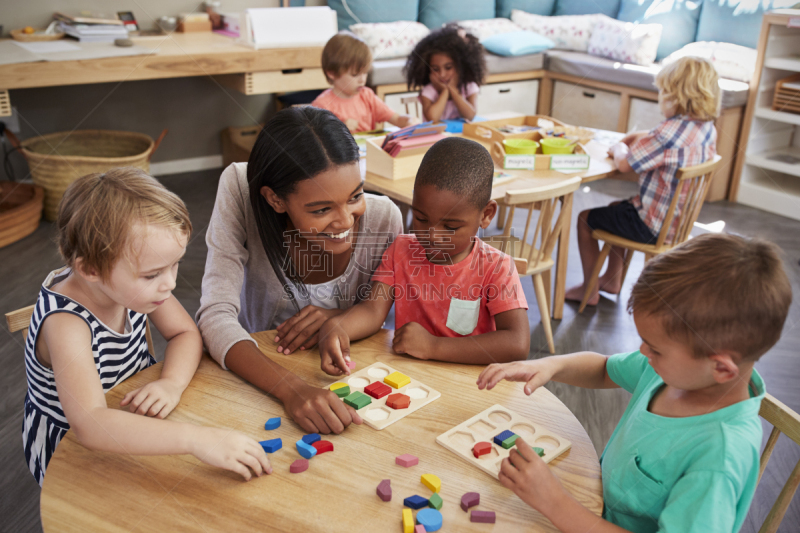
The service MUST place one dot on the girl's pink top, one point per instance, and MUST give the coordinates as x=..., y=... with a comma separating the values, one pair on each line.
x=450, y=110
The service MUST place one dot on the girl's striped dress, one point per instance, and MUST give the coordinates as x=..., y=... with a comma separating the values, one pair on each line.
x=116, y=356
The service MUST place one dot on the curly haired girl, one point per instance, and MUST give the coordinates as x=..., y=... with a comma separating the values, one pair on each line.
x=449, y=66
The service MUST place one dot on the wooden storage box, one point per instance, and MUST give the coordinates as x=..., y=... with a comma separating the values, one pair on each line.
x=237, y=143
x=393, y=168
x=487, y=130
x=20, y=210
x=787, y=95
x=275, y=81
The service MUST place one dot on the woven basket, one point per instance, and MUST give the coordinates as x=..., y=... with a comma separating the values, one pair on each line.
x=20, y=210
x=58, y=159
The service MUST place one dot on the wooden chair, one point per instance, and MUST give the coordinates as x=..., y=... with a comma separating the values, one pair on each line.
x=408, y=100
x=784, y=420
x=693, y=183
x=21, y=318
x=535, y=258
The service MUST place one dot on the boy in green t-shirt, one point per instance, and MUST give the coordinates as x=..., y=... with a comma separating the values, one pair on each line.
x=684, y=457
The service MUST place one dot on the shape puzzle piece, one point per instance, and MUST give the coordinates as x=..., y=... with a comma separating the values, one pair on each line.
x=351, y=365
x=419, y=529
x=384, y=490
x=306, y=450
x=435, y=501
x=322, y=446
x=273, y=423
x=311, y=438
x=406, y=460
x=377, y=389
x=301, y=465
x=509, y=442
x=486, y=517
x=470, y=499
x=432, y=482
x=272, y=445
x=357, y=400
x=415, y=502
x=500, y=437
x=408, y=521
x=539, y=451
x=481, y=448
x=397, y=380
x=341, y=389
x=431, y=519
x=398, y=401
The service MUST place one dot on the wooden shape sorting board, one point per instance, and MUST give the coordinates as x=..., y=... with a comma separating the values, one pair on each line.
x=485, y=425
x=377, y=415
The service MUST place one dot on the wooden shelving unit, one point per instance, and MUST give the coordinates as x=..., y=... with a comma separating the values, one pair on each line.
x=768, y=163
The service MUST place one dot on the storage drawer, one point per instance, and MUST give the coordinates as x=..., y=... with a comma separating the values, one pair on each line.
x=584, y=106
x=395, y=102
x=518, y=96
x=276, y=81
x=643, y=115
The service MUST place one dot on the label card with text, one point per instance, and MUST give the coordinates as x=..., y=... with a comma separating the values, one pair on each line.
x=569, y=162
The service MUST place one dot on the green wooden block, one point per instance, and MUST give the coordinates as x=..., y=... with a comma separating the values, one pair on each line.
x=341, y=392
x=358, y=400
x=435, y=501
x=539, y=451
x=509, y=442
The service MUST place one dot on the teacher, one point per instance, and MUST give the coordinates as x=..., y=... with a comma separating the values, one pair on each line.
x=292, y=241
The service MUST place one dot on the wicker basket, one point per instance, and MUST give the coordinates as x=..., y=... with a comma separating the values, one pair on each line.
x=58, y=159
x=20, y=210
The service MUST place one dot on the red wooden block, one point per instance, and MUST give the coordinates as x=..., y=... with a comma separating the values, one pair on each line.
x=377, y=389
x=486, y=517
x=384, y=490
x=398, y=401
x=323, y=446
x=301, y=465
x=481, y=448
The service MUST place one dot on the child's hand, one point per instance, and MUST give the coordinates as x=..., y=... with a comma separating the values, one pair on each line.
x=231, y=450
x=352, y=124
x=536, y=373
x=302, y=330
x=414, y=340
x=320, y=410
x=632, y=137
x=156, y=399
x=438, y=84
x=334, y=350
x=524, y=472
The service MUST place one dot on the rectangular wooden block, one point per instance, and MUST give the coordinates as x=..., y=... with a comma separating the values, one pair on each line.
x=357, y=400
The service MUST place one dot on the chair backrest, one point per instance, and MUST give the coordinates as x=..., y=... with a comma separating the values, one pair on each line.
x=784, y=420
x=551, y=219
x=408, y=100
x=21, y=318
x=688, y=198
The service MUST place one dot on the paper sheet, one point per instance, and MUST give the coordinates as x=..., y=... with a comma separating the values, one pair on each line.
x=63, y=50
x=49, y=47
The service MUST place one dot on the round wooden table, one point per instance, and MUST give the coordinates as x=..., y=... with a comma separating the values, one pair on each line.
x=95, y=491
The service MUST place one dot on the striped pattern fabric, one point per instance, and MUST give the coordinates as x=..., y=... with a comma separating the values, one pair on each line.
x=675, y=143
x=116, y=356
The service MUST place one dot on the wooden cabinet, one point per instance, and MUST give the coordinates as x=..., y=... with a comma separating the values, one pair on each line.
x=643, y=115
x=585, y=106
x=516, y=96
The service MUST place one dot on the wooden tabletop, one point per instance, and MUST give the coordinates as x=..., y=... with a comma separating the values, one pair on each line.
x=177, y=55
x=94, y=491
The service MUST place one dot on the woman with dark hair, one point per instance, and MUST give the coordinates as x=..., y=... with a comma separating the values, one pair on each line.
x=292, y=241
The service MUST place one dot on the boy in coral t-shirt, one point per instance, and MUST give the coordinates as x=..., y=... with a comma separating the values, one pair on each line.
x=457, y=299
x=346, y=59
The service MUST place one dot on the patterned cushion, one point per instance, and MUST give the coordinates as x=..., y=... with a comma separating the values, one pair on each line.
x=732, y=61
x=391, y=39
x=625, y=41
x=484, y=28
x=679, y=20
x=568, y=33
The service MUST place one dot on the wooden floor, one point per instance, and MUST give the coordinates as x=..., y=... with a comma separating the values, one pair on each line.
x=606, y=329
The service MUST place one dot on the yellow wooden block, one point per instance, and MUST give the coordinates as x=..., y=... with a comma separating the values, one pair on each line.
x=408, y=521
x=432, y=482
x=397, y=380
x=338, y=386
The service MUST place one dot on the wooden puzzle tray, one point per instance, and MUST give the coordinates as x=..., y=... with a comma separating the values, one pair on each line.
x=377, y=414
x=494, y=420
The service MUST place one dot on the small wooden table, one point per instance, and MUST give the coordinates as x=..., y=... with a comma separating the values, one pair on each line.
x=94, y=491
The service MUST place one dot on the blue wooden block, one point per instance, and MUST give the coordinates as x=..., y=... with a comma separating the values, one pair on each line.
x=415, y=502
x=272, y=445
x=311, y=438
x=273, y=423
x=306, y=450
x=500, y=437
x=430, y=519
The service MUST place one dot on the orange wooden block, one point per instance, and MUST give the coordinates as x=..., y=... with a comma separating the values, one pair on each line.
x=398, y=401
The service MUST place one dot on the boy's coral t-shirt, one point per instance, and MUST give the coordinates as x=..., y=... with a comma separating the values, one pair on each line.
x=365, y=107
x=467, y=294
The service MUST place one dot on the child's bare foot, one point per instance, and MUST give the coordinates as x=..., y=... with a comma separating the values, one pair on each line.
x=611, y=286
x=575, y=294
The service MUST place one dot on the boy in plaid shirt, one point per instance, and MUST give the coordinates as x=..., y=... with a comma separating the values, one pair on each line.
x=688, y=96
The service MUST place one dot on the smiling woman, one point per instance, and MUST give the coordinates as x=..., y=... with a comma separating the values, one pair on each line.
x=292, y=239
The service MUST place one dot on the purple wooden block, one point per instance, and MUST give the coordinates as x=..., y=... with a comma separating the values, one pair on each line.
x=384, y=490
x=470, y=499
x=486, y=517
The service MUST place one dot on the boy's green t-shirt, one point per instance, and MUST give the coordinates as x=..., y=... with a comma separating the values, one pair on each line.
x=693, y=474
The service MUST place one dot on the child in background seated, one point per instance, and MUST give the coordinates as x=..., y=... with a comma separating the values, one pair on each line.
x=458, y=299
x=122, y=235
x=346, y=59
x=449, y=66
x=684, y=456
x=689, y=98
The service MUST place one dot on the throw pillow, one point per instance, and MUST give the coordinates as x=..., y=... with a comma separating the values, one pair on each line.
x=732, y=61
x=568, y=33
x=586, y=7
x=679, y=17
x=517, y=43
x=349, y=12
x=735, y=21
x=435, y=13
x=537, y=7
x=391, y=39
x=485, y=28
x=625, y=41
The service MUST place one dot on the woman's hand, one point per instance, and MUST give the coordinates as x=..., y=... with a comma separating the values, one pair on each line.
x=527, y=476
x=156, y=399
x=302, y=330
x=320, y=410
x=536, y=373
x=414, y=340
x=231, y=450
x=334, y=350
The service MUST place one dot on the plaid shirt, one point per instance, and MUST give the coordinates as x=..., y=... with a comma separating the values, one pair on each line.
x=675, y=143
